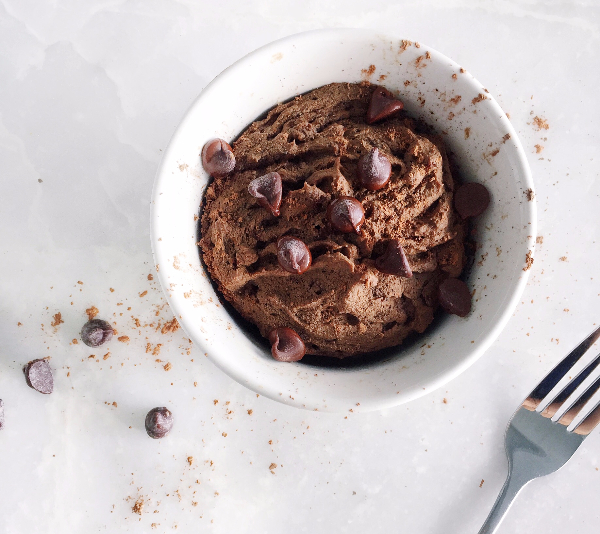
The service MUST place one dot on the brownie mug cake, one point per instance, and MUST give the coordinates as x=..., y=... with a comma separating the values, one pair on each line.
x=334, y=227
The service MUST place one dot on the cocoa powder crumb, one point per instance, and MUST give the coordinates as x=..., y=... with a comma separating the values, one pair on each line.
x=530, y=194
x=170, y=326
x=528, y=261
x=538, y=149
x=467, y=132
x=123, y=339
x=57, y=319
x=167, y=366
x=455, y=100
x=563, y=258
x=540, y=123
x=138, y=507
x=92, y=312
x=479, y=98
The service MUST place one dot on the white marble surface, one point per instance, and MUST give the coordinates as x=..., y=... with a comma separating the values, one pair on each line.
x=90, y=93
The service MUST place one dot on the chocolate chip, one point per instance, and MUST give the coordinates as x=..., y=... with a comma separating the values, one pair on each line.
x=267, y=189
x=454, y=297
x=217, y=158
x=39, y=376
x=293, y=255
x=393, y=260
x=159, y=422
x=382, y=105
x=471, y=199
x=96, y=332
x=286, y=345
x=1, y=414
x=374, y=170
x=346, y=214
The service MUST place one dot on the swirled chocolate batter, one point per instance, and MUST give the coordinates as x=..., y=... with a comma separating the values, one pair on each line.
x=369, y=203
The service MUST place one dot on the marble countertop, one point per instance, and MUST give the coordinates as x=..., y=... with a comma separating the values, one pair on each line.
x=90, y=93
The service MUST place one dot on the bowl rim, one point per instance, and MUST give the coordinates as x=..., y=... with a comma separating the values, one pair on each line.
x=273, y=391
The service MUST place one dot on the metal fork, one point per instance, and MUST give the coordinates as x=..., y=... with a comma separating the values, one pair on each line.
x=535, y=445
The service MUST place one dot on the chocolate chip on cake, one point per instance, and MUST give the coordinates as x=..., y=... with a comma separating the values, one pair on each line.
x=346, y=214
x=383, y=104
x=286, y=345
x=159, y=422
x=471, y=199
x=267, y=190
x=293, y=255
x=454, y=296
x=38, y=375
x=374, y=170
x=393, y=260
x=217, y=158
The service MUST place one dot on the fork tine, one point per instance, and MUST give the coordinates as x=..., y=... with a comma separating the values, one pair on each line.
x=570, y=387
x=555, y=376
x=589, y=422
x=578, y=403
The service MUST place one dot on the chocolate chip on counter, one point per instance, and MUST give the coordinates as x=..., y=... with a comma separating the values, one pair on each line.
x=382, y=105
x=267, y=190
x=217, y=158
x=38, y=375
x=1, y=414
x=374, y=170
x=293, y=255
x=346, y=214
x=471, y=199
x=96, y=332
x=159, y=422
x=454, y=297
x=393, y=260
x=286, y=345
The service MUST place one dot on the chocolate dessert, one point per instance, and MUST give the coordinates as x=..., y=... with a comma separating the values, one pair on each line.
x=331, y=223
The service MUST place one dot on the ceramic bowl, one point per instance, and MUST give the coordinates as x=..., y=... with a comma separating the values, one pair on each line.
x=434, y=89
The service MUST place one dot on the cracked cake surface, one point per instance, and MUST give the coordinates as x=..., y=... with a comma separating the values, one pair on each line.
x=342, y=305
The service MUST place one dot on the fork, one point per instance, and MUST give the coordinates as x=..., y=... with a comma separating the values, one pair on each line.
x=535, y=445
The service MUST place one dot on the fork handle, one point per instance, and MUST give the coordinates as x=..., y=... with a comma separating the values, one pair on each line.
x=508, y=493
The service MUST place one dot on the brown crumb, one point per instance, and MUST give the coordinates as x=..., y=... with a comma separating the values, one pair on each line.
x=467, y=132
x=111, y=290
x=106, y=356
x=505, y=138
x=538, y=149
x=224, y=434
x=190, y=460
x=445, y=401
x=138, y=507
x=540, y=124
x=563, y=258
x=167, y=366
x=494, y=153
x=273, y=466
x=528, y=261
x=404, y=45
x=367, y=73
x=454, y=76
x=150, y=277
x=478, y=98
x=156, y=350
x=530, y=194
x=481, y=483
x=455, y=100
x=57, y=319
x=123, y=339
x=250, y=412
x=170, y=326
x=462, y=71
x=115, y=404
x=539, y=239
x=75, y=342
x=19, y=324
x=92, y=312
x=80, y=282
x=195, y=384
x=215, y=402
x=382, y=77
x=143, y=293
x=407, y=83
